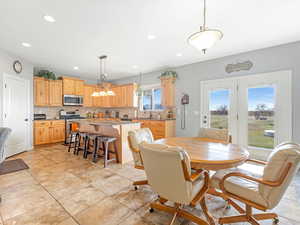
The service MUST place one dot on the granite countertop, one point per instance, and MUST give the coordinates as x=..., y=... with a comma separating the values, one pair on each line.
x=105, y=122
x=154, y=119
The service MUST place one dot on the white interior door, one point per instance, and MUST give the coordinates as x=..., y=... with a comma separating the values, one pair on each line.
x=259, y=108
x=16, y=113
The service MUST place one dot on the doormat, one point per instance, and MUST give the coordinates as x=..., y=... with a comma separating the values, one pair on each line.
x=11, y=166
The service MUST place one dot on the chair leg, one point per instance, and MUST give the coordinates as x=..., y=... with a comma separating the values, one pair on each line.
x=86, y=140
x=95, y=150
x=180, y=213
x=105, y=154
x=116, y=152
x=70, y=142
x=249, y=217
x=206, y=212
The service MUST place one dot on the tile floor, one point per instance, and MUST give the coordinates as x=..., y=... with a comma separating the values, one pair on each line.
x=63, y=189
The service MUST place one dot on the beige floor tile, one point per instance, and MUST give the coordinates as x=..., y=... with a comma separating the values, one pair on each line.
x=69, y=221
x=23, y=200
x=289, y=209
x=62, y=185
x=83, y=198
x=135, y=199
x=157, y=217
x=47, y=214
x=112, y=184
x=106, y=212
x=135, y=219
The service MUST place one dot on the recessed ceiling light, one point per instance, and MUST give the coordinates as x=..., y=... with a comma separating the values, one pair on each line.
x=178, y=54
x=151, y=37
x=49, y=19
x=134, y=66
x=76, y=68
x=25, y=44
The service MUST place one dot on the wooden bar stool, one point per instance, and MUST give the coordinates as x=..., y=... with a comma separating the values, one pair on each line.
x=104, y=140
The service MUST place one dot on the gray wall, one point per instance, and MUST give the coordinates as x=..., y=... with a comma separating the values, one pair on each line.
x=285, y=57
x=6, y=66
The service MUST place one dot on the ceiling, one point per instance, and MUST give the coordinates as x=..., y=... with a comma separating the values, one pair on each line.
x=85, y=29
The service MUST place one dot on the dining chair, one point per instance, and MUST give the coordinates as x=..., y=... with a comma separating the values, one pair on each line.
x=135, y=138
x=169, y=174
x=216, y=134
x=262, y=191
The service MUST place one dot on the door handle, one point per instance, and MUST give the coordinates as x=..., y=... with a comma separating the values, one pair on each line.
x=26, y=120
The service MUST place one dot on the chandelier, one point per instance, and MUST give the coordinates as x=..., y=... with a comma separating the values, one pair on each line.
x=105, y=87
x=205, y=38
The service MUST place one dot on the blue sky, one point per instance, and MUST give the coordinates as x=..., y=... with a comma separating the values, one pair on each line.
x=259, y=95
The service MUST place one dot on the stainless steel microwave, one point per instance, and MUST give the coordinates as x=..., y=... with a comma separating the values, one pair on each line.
x=75, y=100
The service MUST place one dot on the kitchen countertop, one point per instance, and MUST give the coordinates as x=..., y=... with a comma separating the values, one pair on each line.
x=104, y=122
x=154, y=119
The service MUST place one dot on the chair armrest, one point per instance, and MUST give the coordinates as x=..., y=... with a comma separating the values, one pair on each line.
x=261, y=181
x=194, y=176
x=256, y=161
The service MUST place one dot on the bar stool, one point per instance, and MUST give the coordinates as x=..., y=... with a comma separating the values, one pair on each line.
x=105, y=140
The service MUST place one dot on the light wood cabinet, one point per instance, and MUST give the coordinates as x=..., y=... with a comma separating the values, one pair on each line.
x=49, y=131
x=168, y=92
x=88, y=99
x=55, y=93
x=160, y=128
x=47, y=92
x=73, y=86
x=41, y=91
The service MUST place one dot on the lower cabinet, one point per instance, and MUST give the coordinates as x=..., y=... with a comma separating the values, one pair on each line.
x=160, y=128
x=49, y=131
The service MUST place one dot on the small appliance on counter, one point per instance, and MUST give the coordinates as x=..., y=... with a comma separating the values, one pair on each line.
x=39, y=116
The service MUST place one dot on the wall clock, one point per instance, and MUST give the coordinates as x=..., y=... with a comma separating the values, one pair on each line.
x=17, y=66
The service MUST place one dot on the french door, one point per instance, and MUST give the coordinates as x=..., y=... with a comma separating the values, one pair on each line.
x=256, y=110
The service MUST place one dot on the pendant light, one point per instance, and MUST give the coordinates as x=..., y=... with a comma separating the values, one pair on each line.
x=206, y=37
x=102, y=81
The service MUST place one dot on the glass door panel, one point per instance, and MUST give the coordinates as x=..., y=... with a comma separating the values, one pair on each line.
x=261, y=129
x=219, y=109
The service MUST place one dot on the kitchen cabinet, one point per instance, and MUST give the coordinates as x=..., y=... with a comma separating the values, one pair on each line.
x=49, y=131
x=88, y=99
x=41, y=91
x=168, y=91
x=160, y=128
x=128, y=96
x=55, y=93
x=73, y=86
x=47, y=92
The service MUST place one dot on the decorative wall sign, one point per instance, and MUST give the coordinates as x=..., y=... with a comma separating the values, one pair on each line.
x=247, y=65
x=17, y=66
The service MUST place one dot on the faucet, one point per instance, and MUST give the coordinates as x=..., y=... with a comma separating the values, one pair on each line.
x=150, y=116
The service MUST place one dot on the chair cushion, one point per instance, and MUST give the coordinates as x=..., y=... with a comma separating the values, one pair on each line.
x=282, y=155
x=137, y=137
x=241, y=187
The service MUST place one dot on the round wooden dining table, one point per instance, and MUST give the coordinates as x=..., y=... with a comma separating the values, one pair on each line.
x=207, y=153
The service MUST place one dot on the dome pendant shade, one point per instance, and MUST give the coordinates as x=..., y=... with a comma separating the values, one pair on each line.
x=205, y=39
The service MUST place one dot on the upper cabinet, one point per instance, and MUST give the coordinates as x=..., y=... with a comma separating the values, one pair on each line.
x=168, y=88
x=47, y=92
x=41, y=91
x=73, y=86
x=88, y=100
x=55, y=92
x=50, y=93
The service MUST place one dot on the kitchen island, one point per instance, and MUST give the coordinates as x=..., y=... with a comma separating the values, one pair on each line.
x=118, y=129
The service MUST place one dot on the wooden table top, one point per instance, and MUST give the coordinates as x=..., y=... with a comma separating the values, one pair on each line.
x=209, y=154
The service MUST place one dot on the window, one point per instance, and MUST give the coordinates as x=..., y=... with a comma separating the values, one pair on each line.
x=151, y=99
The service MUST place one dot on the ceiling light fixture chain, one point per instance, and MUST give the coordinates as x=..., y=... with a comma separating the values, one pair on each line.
x=105, y=87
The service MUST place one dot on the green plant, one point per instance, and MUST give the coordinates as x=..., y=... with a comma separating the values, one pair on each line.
x=46, y=74
x=169, y=73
